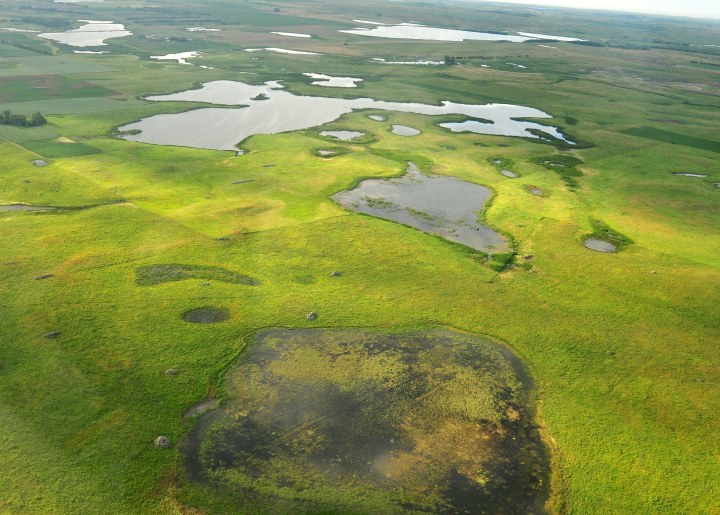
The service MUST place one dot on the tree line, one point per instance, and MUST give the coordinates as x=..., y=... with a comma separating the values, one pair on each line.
x=20, y=120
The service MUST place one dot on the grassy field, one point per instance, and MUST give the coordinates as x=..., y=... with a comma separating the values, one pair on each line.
x=622, y=347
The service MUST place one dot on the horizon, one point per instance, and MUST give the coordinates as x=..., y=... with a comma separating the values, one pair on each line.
x=701, y=9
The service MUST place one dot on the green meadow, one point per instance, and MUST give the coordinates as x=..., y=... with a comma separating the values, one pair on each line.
x=621, y=347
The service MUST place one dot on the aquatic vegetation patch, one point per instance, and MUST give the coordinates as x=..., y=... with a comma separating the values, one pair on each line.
x=504, y=166
x=150, y=275
x=364, y=421
x=565, y=166
x=206, y=315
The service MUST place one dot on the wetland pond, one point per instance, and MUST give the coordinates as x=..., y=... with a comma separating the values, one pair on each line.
x=599, y=245
x=445, y=206
x=329, y=81
x=342, y=135
x=404, y=130
x=424, y=33
x=361, y=421
x=93, y=33
x=25, y=207
x=269, y=109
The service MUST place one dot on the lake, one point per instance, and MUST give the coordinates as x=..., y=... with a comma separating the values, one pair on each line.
x=222, y=128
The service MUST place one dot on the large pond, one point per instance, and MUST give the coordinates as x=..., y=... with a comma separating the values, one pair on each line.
x=271, y=109
x=440, y=205
x=93, y=33
x=422, y=32
x=362, y=421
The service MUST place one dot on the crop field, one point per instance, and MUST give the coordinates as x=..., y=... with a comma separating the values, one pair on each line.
x=158, y=279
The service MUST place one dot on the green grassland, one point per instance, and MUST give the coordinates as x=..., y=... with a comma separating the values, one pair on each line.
x=622, y=347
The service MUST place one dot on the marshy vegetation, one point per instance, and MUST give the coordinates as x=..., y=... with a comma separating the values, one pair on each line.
x=366, y=421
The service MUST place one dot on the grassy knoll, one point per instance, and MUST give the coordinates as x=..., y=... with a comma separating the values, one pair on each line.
x=622, y=346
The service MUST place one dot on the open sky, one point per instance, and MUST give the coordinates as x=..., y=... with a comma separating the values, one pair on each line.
x=695, y=8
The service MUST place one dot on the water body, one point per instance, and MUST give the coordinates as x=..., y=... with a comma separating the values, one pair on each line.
x=281, y=51
x=509, y=174
x=421, y=32
x=378, y=117
x=181, y=57
x=444, y=206
x=478, y=127
x=282, y=111
x=25, y=207
x=202, y=29
x=343, y=135
x=599, y=245
x=333, y=82
x=292, y=34
x=93, y=33
x=686, y=174
x=548, y=36
x=12, y=29
x=404, y=130
x=419, y=62
x=351, y=420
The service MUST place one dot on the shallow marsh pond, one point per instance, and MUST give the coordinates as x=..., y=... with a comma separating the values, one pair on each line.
x=360, y=421
x=440, y=205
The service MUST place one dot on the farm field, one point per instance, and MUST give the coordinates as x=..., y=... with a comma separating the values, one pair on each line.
x=220, y=298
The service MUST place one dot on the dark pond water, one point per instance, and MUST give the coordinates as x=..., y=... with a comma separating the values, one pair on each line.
x=359, y=421
x=440, y=205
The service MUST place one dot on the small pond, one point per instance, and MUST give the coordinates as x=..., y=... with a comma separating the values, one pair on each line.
x=509, y=174
x=292, y=34
x=343, y=135
x=25, y=207
x=687, y=174
x=404, y=130
x=479, y=127
x=599, y=245
x=440, y=205
x=421, y=62
x=378, y=118
x=181, y=57
x=329, y=81
x=362, y=421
